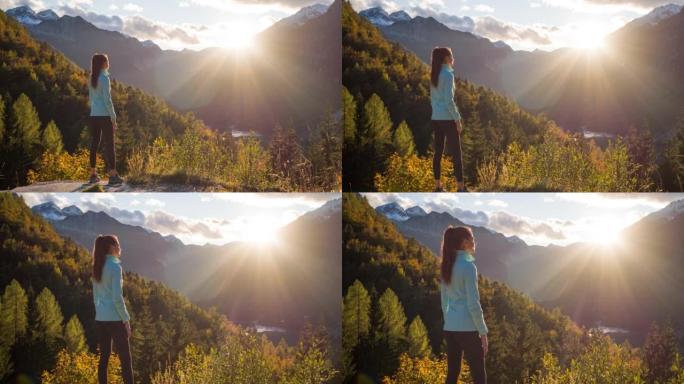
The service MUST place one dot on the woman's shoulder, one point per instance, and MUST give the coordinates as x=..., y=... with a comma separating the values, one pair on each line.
x=466, y=265
x=112, y=265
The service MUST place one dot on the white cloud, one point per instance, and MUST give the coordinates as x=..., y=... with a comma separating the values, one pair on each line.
x=387, y=5
x=497, y=203
x=526, y=228
x=275, y=200
x=607, y=6
x=36, y=5
x=131, y=7
x=252, y=6
x=484, y=8
x=378, y=199
x=154, y=203
x=621, y=200
x=32, y=199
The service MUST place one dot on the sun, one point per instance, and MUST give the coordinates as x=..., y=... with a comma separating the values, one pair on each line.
x=239, y=37
x=605, y=232
x=239, y=41
x=590, y=37
x=261, y=230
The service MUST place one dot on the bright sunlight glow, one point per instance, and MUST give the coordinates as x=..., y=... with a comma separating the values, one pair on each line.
x=589, y=37
x=239, y=36
x=261, y=230
x=605, y=232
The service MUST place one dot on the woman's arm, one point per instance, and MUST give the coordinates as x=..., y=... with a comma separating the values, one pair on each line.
x=449, y=92
x=473, y=299
x=107, y=94
x=117, y=293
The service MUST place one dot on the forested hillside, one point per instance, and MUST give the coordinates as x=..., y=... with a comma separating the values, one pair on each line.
x=392, y=321
x=43, y=119
x=387, y=132
x=47, y=324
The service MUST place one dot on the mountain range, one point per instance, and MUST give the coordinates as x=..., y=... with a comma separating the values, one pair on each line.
x=281, y=284
x=601, y=91
x=229, y=90
x=624, y=285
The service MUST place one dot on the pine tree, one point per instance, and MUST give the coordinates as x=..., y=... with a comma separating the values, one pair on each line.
x=74, y=336
x=49, y=319
x=403, y=140
x=356, y=323
x=418, y=342
x=660, y=353
x=390, y=331
x=25, y=125
x=350, y=116
x=143, y=340
x=52, y=138
x=356, y=316
x=377, y=125
x=47, y=331
x=14, y=314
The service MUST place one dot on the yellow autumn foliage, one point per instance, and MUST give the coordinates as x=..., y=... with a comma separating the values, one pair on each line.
x=80, y=368
x=64, y=166
x=413, y=173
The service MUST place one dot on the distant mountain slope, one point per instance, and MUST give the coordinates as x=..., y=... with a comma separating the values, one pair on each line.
x=290, y=76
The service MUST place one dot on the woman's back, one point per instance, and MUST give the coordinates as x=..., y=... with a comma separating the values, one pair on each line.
x=442, y=96
x=461, y=299
x=100, y=97
x=108, y=293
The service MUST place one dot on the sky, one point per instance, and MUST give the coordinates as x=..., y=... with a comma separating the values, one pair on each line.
x=541, y=218
x=196, y=218
x=177, y=24
x=528, y=24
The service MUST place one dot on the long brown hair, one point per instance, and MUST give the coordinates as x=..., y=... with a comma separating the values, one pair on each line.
x=438, y=55
x=103, y=244
x=96, y=65
x=452, y=242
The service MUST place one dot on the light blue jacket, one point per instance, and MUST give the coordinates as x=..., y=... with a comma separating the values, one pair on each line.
x=101, y=97
x=461, y=299
x=108, y=293
x=442, y=97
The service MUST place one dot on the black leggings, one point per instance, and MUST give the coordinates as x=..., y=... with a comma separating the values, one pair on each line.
x=108, y=331
x=446, y=129
x=470, y=345
x=101, y=128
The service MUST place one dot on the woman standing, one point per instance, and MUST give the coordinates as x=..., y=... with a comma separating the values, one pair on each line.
x=111, y=316
x=465, y=330
x=446, y=121
x=102, y=119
